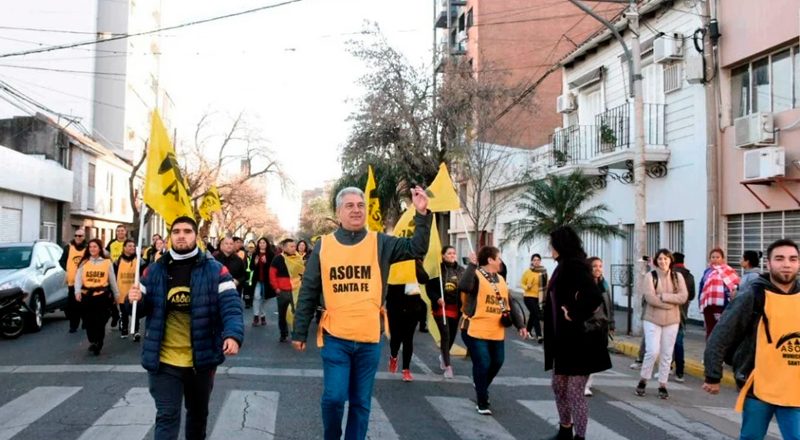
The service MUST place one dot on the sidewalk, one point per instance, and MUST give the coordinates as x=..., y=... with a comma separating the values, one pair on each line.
x=694, y=343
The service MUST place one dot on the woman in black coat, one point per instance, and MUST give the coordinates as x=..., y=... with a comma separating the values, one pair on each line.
x=572, y=352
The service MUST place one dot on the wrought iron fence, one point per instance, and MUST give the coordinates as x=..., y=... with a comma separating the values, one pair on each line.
x=573, y=144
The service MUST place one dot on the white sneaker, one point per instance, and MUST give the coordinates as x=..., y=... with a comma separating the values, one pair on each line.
x=448, y=372
x=636, y=366
x=587, y=392
x=679, y=379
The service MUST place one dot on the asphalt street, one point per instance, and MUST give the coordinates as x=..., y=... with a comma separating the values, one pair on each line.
x=51, y=387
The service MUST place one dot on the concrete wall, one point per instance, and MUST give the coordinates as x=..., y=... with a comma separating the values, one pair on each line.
x=749, y=27
x=34, y=176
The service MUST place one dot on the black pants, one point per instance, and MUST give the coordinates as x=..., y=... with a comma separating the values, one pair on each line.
x=170, y=387
x=73, y=310
x=247, y=295
x=403, y=311
x=95, y=316
x=533, y=320
x=114, y=313
x=423, y=315
x=452, y=329
x=284, y=303
x=126, y=310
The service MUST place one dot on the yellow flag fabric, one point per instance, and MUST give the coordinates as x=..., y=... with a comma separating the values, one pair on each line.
x=210, y=204
x=442, y=195
x=404, y=272
x=374, y=219
x=164, y=186
x=432, y=261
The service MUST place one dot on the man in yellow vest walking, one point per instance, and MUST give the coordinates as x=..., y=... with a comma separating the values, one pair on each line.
x=70, y=259
x=759, y=333
x=347, y=273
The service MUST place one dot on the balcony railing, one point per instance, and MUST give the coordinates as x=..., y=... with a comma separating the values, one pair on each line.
x=611, y=132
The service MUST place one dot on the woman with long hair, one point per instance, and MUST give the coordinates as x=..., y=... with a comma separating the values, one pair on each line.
x=446, y=306
x=596, y=264
x=302, y=248
x=95, y=289
x=573, y=347
x=488, y=311
x=717, y=287
x=260, y=263
x=665, y=292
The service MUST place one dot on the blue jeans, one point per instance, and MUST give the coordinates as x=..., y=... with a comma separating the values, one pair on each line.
x=172, y=386
x=756, y=417
x=678, y=355
x=349, y=372
x=487, y=359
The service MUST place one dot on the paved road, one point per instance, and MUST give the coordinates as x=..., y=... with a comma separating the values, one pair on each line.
x=51, y=387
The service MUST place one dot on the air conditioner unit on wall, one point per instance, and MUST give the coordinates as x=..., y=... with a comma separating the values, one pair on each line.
x=668, y=47
x=764, y=163
x=754, y=130
x=566, y=103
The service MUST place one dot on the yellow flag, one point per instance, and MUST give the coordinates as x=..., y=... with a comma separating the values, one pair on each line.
x=433, y=259
x=404, y=272
x=374, y=220
x=441, y=194
x=164, y=187
x=211, y=203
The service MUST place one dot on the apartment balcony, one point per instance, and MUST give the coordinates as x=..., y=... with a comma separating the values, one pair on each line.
x=440, y=20
x=609, y=144
x=443, y=55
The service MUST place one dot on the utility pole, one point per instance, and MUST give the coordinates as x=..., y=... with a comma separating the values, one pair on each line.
x=634, y=58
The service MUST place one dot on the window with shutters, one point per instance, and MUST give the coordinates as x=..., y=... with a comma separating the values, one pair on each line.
x=756, y=231
x=10, y=225
x=673, y=77
x=675, y=236
x=91, y=187
x=653, y=239
x=592, y=244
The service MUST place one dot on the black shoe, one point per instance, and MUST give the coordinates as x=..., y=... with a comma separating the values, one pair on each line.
x=564, y=433
x=73, y=330
x=662, y=393
x=136, y=337
x=94, y=348
x=577, y=437
x=540, y=340
x=284, y=339
x=483, y=409
x=424, y=330
x=640, y=388
x=114, y=322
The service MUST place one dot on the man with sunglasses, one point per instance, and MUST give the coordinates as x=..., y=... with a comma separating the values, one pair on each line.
x=70, y=258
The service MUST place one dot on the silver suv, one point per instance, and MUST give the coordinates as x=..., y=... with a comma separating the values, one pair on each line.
x=33, y=267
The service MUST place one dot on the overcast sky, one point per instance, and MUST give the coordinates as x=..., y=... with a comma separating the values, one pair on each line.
x=287, y=67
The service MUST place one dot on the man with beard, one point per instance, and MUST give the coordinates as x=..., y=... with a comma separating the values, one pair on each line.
x=759, y=335
x=70, y=259
x=194, y=319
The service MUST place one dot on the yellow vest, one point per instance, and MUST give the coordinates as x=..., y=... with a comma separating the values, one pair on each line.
x=73, y=260
x=352, y=289
x=485, y=323
x=126, y=275
x=776, y=376
x=95, y=276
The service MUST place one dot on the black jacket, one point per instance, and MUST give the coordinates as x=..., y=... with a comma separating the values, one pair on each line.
x=568, y=348
x=736, y=332
x=451, y=274
x=235, y=266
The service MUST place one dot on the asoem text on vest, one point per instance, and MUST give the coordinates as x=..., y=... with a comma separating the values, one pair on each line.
x=348, y=276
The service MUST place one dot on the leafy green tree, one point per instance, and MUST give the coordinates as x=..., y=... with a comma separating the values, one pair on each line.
x=556, y=201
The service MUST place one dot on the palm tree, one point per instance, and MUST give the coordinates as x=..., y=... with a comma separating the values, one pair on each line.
x=556, y=201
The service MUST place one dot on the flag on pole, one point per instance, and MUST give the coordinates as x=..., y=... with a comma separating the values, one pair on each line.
x=210, y=204
x=374, y=219
x=433, y=258
x=164, y=186
x=441, y=193
x=404, y=272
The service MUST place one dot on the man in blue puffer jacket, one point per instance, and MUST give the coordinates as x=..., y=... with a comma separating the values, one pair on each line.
x=194, y=319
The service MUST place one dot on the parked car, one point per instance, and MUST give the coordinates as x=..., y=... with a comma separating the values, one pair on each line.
x=34, y=268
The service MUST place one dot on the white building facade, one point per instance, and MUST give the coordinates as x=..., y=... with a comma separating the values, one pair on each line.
x=597, y=139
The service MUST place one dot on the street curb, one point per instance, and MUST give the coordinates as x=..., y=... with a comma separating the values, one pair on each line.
x=691, y=367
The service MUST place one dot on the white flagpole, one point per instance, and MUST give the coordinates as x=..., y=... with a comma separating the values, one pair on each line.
x=134, y=321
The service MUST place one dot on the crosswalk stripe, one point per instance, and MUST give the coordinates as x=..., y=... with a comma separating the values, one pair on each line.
x=670, y=420
x=534, y=351
x=129, y=419
x=546, y=410
x=460, y=414
x=16, y=415
x=247, y=415
x=379, y=425
x=421, y=365
x=731, y=415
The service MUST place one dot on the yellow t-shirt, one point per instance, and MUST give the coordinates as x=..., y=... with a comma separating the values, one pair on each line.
x=176, y=348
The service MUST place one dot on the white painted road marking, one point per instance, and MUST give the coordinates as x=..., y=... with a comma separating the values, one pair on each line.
x=18, y=414
x=462, y=417
x=247, y=415
x=129, y=419
x=731, y=415
x=546, y=410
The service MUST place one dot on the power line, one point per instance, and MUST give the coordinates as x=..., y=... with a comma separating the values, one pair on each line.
x=59, y=31
x=31, y=84
x=152, y=31
x=48, y=69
